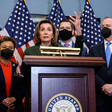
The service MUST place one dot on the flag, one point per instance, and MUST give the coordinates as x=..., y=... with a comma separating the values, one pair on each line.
x=20, y=27
x=91, y=30
x=56, y=14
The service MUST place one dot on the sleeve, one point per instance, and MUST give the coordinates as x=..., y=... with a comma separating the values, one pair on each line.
x=99, y=81
x=27, y=52
x=79, y=43
x=21, y=90
x=18, y=86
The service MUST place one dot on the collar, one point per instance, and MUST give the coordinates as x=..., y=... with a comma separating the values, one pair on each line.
x=70, y=43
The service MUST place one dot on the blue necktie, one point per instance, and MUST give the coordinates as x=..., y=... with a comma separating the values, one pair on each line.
x=108, y=53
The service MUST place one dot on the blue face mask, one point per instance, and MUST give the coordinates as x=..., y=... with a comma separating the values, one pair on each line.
x=6, y=53
x=106, y=32
x=65, y=34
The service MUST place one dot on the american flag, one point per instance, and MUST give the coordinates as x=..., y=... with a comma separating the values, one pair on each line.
x=56, y=14
x=91, y=30
x=20, y=27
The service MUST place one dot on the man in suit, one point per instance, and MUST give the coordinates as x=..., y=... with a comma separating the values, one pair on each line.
x=104, y=73
x=66, y=32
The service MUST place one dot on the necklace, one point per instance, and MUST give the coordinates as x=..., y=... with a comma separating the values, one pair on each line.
x=6, y=64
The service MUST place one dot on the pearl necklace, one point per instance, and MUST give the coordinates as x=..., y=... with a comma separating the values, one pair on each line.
x=7, y=65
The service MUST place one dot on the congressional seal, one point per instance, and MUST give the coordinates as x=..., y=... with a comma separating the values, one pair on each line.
x=63, y=102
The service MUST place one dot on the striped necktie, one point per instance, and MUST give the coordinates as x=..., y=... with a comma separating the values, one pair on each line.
x=108, y=54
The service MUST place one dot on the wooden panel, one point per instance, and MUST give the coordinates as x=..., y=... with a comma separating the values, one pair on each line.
x=66, y=61
x=47, y=76
x=50, y=81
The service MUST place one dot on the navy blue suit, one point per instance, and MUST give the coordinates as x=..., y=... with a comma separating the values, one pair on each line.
x=17, y=90
x=103, y=76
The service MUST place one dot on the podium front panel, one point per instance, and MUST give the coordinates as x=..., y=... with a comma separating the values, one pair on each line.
x=47, y=82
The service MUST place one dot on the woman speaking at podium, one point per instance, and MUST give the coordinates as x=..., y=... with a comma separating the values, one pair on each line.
x=45, y=35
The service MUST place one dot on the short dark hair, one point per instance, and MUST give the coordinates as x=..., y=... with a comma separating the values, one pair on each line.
x=107, y=17
x=66, y=20
x=6, y=38
x=36, y=34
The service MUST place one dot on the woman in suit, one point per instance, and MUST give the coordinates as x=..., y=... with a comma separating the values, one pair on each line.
x=11, y=87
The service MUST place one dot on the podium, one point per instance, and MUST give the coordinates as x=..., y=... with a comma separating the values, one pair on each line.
x=49, y=79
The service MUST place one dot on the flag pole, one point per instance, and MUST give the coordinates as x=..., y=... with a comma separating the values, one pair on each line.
x=59, y=1
x=25, y=1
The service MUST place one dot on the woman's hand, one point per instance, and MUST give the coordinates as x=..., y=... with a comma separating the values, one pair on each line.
x=9, y=102
x=18, y=71
x=11, y=108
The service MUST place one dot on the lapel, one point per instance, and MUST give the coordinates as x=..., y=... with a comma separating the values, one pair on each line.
x=59, y=44
x=101, y=50
x=103, y=54
x=2, y=81
x=110, y=61
x=73, y=44
x=13, y=80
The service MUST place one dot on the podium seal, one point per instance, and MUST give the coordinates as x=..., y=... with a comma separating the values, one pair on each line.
x=63, y=102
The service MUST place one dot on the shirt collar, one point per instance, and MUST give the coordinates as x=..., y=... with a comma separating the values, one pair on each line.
x=70, y=43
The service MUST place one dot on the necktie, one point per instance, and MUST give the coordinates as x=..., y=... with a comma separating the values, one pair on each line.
x=108, y=53
x=66, y=45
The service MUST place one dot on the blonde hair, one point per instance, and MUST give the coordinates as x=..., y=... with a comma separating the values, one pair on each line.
x=36, y=33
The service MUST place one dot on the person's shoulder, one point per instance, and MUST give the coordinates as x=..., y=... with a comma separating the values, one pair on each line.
x=59, y=45
x=14, y=64
x=31, y=48
x=97, y=45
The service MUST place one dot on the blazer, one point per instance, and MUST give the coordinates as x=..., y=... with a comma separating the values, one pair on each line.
x=78, y=44
x=34, y=50
x=17, y=90
x=103, y=74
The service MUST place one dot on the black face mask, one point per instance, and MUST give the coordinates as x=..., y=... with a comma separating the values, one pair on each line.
x=106, y=32
x=6, y=53
x=65, y=34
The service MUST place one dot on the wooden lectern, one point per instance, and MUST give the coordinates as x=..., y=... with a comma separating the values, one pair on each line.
x=47, y=76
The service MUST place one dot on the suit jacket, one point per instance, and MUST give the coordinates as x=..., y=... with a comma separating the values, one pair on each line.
x=78, y=44
x=103, y=74
x=34, y=50
x=17, y=90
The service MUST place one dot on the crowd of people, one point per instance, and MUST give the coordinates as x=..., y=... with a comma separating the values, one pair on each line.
x=12, y=86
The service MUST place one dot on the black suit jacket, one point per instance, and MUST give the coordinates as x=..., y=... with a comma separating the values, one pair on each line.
x=17, y=90
x=103, y=74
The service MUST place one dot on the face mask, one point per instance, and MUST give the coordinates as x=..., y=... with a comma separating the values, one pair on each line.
x=106, y=32
x=65, y=34
x=7, y=53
